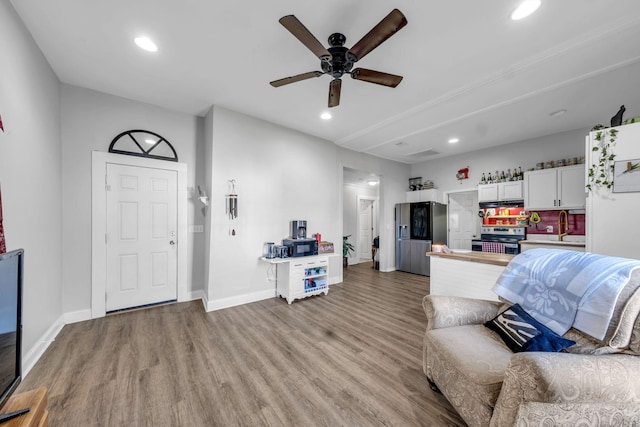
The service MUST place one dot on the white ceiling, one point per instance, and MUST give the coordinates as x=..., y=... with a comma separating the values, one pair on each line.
x=468, y=70
x=359, y=178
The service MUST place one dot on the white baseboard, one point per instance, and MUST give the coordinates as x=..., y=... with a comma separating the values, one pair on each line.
x=76, y=316
x=35, y=353
x=219, y=304
x=194, y=295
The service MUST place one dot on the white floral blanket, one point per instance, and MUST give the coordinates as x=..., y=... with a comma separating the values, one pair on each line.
x=561, y=288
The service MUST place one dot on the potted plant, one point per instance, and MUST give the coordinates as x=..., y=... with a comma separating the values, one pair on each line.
x=347, y=249
x=601, y=171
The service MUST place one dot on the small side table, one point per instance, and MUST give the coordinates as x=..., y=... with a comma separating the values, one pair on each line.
x=38, y=416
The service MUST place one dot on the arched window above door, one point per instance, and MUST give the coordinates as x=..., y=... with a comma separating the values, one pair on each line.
x=143, y=143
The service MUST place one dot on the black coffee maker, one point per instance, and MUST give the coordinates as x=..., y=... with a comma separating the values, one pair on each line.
x=299, y=229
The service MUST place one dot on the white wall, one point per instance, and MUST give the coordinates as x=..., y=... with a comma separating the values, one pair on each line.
x=90, y=121
x=281, y=175
x=612, y=217
x=30, y=171
x=205, y=149
x=524, y=153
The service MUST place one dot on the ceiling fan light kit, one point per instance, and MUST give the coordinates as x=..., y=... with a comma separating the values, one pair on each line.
x=146, y=43
x=337, y=60
x=526, y=8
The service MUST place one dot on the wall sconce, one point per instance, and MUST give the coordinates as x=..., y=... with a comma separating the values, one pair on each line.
x=232, y=206
x=204, y=199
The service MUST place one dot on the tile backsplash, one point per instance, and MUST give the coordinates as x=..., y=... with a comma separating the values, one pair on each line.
x=550, y=218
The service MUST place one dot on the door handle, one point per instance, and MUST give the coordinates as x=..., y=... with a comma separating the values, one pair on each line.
x=172, y=242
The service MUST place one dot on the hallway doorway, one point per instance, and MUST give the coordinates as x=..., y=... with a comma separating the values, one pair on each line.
x=360, y=212
x=464, y=224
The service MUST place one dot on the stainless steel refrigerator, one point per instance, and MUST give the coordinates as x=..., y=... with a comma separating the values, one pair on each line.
x=418, y=226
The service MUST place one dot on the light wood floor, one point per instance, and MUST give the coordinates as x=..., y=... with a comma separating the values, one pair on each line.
x=350, y=358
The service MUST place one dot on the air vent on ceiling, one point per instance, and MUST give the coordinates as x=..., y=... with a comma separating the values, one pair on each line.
x=427, y=153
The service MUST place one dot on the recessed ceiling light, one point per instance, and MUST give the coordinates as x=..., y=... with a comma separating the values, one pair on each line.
x=526, y=8
x=453, y=140
x=146, y=44
x=325, y=116
x=372, y=182
x=558, y=113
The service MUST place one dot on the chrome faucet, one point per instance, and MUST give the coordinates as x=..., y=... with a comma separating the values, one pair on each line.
x=563, y=215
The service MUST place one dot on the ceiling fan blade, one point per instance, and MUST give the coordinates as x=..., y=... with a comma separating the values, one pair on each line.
x=377, y=77
x=334, y=92
x=296, y=78
x=295, y=27
x=391, y=24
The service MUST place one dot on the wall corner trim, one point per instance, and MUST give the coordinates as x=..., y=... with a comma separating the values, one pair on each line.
x=30, y=358
x=219, y=304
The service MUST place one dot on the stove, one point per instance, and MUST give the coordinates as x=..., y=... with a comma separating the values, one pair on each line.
x=497, y=239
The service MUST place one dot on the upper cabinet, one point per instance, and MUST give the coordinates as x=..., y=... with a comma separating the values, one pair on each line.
x=431, y=195
x=511, y=190
x=551, y=189
x=487, y=193
x=502, y=191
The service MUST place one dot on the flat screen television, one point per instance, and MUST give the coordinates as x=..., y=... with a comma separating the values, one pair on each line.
x=10, y=325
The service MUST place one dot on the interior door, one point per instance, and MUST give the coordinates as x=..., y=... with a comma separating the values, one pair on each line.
x=141, y=236
x=464, y=222
x=365, y=219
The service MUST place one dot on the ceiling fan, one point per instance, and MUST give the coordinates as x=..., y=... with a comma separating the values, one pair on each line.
x=338, y=60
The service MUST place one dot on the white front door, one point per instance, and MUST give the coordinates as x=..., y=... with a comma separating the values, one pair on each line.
x=365, y=213
x=464, y=223
x=141, y=238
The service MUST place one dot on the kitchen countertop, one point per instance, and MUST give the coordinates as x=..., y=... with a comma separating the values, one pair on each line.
x=480, y=257
x=551, y=243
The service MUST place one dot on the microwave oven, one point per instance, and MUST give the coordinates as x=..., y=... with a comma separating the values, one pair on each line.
x=301, y=247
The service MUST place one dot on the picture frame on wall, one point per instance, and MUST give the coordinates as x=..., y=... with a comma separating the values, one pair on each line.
x=626, y=175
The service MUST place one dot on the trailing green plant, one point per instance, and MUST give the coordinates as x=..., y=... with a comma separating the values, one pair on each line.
x=347, y=247
x=601, y=171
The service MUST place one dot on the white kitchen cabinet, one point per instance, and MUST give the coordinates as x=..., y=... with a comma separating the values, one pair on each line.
x=501, y=191
x=540, y=189
x=571, y=187
x=559, y=188
x=487, y=193
x=430, y=195
x=511, y=190
x=302, y=277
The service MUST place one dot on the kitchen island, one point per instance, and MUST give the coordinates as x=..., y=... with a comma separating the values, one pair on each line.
x=466, y=274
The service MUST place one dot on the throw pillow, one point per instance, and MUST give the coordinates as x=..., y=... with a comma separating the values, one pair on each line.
x=521, y=332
